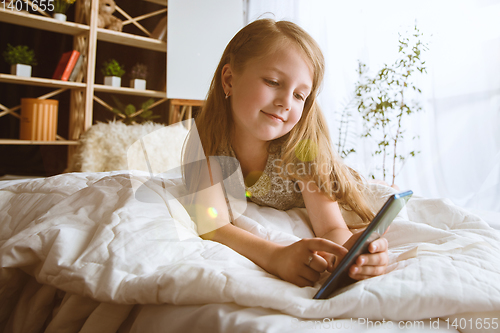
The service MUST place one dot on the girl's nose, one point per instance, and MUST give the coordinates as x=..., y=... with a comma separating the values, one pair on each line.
x=284, y=100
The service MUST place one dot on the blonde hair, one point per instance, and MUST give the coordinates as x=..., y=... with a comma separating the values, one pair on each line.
x=308, y=138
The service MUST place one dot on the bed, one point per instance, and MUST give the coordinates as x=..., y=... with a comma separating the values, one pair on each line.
x=83, y=252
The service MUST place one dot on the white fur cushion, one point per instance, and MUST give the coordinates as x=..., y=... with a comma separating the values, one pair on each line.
x=104, y=147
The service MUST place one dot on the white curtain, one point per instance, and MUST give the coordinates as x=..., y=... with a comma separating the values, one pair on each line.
x=459, y=126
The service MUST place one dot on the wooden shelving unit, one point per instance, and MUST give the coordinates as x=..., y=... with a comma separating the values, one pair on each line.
x=41, y=82
x=129, y=91
x=41, y=22
x=131, y=40
x=45, y=23
x=197, y=31
x=86, y=36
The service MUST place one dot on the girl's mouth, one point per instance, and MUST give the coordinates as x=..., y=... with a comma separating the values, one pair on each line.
x=273, y=117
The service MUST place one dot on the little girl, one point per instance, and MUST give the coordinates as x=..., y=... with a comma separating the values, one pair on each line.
x=261, y=109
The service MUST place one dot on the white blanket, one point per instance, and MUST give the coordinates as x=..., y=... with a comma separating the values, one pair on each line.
x=88, y=235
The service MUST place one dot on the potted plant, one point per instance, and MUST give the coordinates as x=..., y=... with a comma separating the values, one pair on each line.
x=389, y=96
x=129, y=114
x=138, y=76
x=113, y=73
x=60, y=8
x=20, y=58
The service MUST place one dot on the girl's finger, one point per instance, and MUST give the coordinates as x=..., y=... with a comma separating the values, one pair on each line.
x=335, y=262
x=379, y=245
x=321, y=244
x=364, y=272
x=330, y=261
x=377, y=259
x=317, y=263
x=324, y=254
x=310, y=275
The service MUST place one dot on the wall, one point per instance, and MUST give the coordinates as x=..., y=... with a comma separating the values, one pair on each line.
x=198, y=32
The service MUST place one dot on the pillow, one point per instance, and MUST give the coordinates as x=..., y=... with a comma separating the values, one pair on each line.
x=104, y=147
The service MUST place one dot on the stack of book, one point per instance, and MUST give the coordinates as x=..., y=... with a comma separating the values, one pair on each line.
x=69, y=66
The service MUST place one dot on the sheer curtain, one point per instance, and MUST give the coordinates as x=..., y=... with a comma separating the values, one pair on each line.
x=459, y=127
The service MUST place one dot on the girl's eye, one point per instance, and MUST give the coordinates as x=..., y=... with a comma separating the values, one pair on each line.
x=271, y=82
x=299, y=97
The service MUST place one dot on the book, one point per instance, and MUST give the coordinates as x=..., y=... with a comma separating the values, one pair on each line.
x=65, y=66
x=76, y=69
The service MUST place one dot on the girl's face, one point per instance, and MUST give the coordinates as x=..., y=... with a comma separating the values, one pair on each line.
x=268, y=95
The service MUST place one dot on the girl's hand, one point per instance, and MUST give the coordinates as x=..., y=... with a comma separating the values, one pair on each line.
x=299, y=262
x=371, y=264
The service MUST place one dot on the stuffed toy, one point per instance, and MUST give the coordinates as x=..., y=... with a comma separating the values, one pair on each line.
x=106, y=20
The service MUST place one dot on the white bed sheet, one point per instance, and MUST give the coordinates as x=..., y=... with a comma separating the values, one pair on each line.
x=106, y=214
x=229, y=318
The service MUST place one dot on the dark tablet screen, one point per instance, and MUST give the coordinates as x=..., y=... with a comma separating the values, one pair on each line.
x=377, y=227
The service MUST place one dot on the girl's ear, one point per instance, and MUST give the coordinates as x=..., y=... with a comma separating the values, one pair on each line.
x=227, y=79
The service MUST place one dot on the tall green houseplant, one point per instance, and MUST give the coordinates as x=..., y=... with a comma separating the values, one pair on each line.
x=389, y=96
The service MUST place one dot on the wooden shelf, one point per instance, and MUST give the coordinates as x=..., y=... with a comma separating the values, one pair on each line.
x=41, y=82
x=30, y=142
x=131, y=40
x=130, y=91
x=41, y=22
x=159, y=2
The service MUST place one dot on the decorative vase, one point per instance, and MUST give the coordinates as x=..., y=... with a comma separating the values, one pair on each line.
x=139, y=84
x=21, y=70
x=113, y=81
x=60, y=17
x=38, y=119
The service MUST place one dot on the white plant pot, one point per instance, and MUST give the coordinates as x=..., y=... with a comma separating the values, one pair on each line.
x=138, y=84
x=21, y=70
x=60, y=17
x=113, y=81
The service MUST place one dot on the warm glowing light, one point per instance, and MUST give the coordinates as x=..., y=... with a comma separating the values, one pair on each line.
x=212, y=212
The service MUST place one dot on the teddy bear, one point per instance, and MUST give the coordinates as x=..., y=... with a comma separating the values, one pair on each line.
x=106, y=20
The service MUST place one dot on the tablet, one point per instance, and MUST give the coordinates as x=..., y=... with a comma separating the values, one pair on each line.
x=377, y=227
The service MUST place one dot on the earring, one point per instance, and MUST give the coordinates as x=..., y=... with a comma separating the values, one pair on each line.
x=227, y=95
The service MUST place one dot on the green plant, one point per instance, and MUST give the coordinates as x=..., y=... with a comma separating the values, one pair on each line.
x=348, y=136
x=112, y=68
x=20, y=54
x=389, y=96
x=139, y=71
x=345, y=130
x=61, y=6
x=129, y=113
